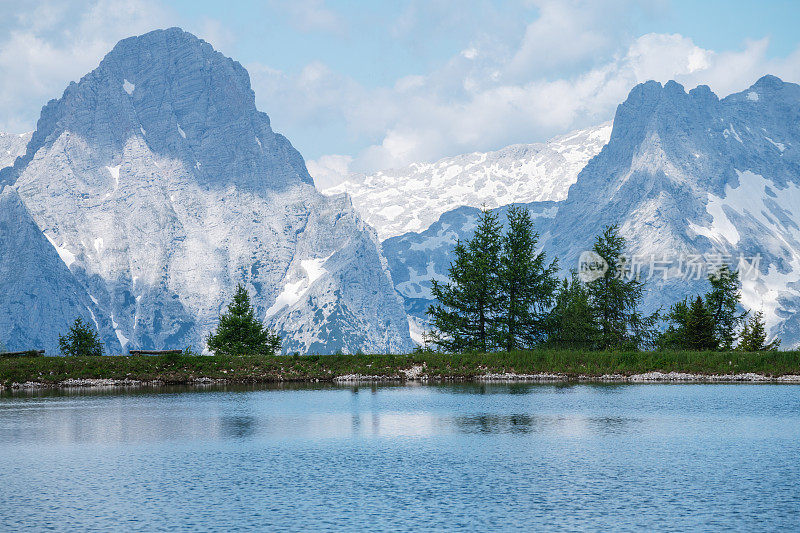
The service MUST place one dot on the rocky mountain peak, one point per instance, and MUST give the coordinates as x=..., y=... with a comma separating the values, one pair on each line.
x=770, y=83
x=186, y=101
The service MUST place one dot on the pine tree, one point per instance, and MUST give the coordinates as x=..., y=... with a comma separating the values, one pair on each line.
x=451, y=330
x=571, y=322
x=615, y=300
x=239, y=331
x=81, y=340
x=527, y=284
x=754, y=335
x=699, y=328
x=723, y=301
x=674, y=337
x=465, y=315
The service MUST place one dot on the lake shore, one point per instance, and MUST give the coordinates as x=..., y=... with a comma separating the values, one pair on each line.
x=540, y=366
x=358, y=379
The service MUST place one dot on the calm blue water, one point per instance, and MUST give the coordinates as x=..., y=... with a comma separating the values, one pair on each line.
x=495, y=457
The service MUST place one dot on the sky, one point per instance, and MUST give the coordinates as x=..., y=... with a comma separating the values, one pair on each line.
x=362, y=86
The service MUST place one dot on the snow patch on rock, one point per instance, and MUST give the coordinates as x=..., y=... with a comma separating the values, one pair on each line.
x=65, y=255
x=293, y=291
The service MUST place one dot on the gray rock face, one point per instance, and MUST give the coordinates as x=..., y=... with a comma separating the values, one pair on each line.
x=689, y=174
x=39, y=296
x=162, y=187
x=12, y=146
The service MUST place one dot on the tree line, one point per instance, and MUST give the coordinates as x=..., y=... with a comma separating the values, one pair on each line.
x=504, y=294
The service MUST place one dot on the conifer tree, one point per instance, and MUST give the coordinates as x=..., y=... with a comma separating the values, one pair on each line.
x=452, y=331
x=81, y=340
x=674, y=337
x=239, y=331
x=615, y=300
x=699, y=331
x=465, y=315
x=527, y=284
x=754, y=335
x=571, y=322
x=722, y=302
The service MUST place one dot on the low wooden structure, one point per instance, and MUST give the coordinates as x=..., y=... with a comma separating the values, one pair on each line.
x=154, y=352
x=25, y=353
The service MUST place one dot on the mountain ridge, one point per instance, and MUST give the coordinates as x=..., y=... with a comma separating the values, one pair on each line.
x=39, y=296
x=410, y=199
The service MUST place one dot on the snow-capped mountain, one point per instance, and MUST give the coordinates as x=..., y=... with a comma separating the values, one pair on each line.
x=688, y=177
x=161, y=186
x=687, y=174
x=410, y=199
x=12, y=146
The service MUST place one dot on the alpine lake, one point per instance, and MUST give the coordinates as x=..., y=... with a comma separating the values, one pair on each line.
x=403, y=458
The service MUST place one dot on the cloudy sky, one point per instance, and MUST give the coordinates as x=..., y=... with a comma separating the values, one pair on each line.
x=360, y=86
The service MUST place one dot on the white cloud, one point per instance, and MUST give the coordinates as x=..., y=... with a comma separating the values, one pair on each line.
x=470, y=53
x=49, y=44
x=566, y=33
x=659, y=56
x=329, y=170
x=462, y=107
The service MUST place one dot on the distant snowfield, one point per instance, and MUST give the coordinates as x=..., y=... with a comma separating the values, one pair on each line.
x=398, y=201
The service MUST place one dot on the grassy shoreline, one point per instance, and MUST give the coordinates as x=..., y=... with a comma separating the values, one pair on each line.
x=171, y=369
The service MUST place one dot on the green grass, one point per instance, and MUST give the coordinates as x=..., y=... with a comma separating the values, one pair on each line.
x=260, y=369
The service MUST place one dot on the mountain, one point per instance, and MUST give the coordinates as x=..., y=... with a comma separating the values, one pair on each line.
x=692, y=180
x=690, y=174
x=410, y=199
x=162, y=183
x=12, y=146
x=39, y=296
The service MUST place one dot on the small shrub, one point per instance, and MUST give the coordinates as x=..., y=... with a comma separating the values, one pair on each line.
x=239, y=331
x=81, y=340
